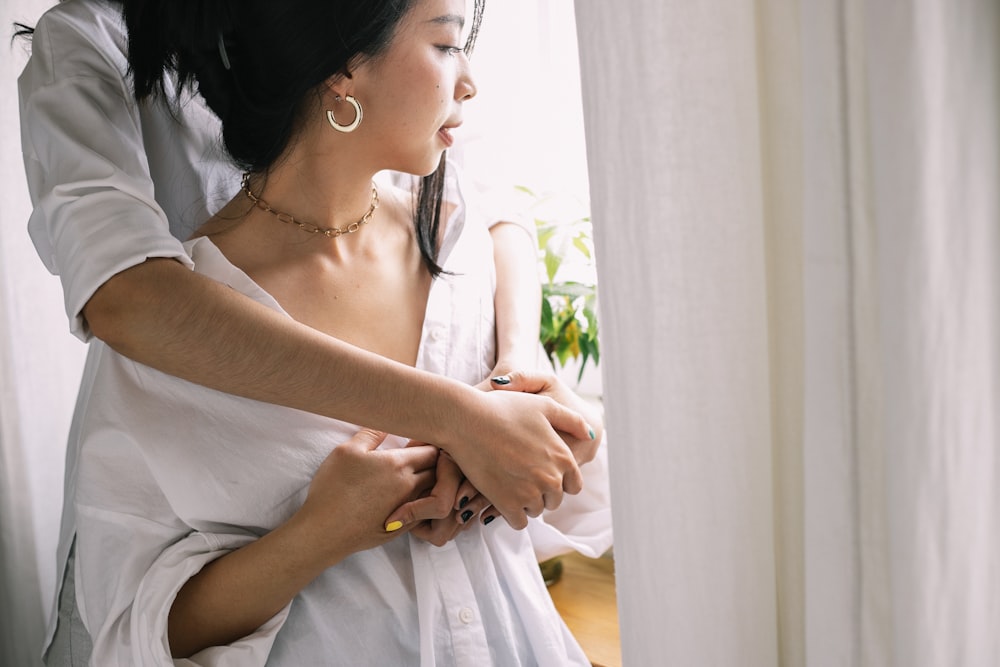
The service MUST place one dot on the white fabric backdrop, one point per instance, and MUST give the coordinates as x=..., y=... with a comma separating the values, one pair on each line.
x=798, y=226
x=40, y=366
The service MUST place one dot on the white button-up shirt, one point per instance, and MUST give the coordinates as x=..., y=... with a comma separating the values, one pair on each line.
x=173, y=475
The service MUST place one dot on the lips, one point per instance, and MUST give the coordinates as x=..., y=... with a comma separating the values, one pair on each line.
x=446, y=137
x=445, y=134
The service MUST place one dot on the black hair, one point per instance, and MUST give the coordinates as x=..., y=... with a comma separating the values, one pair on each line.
x=23, y=31
x=260, y=92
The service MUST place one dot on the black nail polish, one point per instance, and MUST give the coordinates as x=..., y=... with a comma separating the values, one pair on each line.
x=463, y=502
x=487, y=520
x=501, y=379
x=466, y=515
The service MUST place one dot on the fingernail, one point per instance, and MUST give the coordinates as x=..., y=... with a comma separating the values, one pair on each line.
x=466, y=515
x=501, y=379
x=393, y=526
x=463, y=502
x=590, y=431
x=487, y=520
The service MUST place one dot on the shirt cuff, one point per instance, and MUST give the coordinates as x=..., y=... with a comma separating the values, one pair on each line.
x=156, y=595
x=94, y=247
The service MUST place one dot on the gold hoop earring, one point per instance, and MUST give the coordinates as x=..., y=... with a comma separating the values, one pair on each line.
x=358, y=115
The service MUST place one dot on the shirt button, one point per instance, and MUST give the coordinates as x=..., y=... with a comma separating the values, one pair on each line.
x=466, y=616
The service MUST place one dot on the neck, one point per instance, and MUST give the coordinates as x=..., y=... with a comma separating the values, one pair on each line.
x=316, y=193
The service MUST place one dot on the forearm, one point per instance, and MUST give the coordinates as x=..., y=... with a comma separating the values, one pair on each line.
x=164, y=316
x=518, y=298
x=184, y=324
x=234, y=595
x=351, y=493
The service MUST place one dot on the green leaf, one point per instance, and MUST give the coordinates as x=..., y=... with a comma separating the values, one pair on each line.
x=588, y=312
x=568, y=321
x=563, y=354
x=584, y=356
x=545, y=235
x=570, y=290
x=547, y=322
x=552, y=263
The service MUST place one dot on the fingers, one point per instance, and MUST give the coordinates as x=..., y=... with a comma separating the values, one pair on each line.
x=572, y=483
x=472, y=509
x=438, y=504
x=417, y=457
x=569, y=422
x=530, y=382
x=562, y=418
x=415, y=511
x=366, y=438
x=532, y=512
x=554, y=499
x=466, y=493
x=517, y=520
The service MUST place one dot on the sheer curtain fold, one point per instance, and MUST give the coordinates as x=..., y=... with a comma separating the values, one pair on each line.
x=936, y=159
x=681, y=252
x=801, y=326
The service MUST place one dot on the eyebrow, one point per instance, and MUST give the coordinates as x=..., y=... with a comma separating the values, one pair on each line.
x=449, y=18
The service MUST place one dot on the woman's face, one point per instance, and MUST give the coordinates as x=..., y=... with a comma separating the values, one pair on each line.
x=412, y=94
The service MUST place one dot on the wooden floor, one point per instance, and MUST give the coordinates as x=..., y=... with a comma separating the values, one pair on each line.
x=585, y=596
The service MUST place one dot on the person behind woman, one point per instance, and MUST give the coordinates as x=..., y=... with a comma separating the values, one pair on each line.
x=270, y=544
x=108, y=175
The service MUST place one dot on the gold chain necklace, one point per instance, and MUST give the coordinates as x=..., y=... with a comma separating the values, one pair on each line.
x=331, y=232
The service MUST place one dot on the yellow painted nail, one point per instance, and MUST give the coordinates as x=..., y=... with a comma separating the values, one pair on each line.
x=393, y=526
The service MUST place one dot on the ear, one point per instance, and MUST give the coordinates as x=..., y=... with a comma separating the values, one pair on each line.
x=340, y=84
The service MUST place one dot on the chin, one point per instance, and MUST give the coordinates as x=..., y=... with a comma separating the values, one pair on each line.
x=424, y=167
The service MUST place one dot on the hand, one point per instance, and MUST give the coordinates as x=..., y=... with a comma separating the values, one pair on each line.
x=508, y=447
x=357, y=486
x=547, y=384
x=446, y=510
x=350, y=494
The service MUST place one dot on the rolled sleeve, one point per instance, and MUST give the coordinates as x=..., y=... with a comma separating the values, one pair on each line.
x=95, y=213
x=156, y=595
x=128, y=616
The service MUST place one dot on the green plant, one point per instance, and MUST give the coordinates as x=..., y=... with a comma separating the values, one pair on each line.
x=569, y=307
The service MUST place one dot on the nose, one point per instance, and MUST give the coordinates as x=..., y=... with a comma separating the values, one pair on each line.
x=465, y=87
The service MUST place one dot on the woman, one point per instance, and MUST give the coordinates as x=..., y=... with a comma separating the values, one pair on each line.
x=373, y=86
x=108, y=175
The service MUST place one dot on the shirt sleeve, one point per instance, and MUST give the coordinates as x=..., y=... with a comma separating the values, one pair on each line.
x=95, y=213
x=171, y=570
x=128, y=618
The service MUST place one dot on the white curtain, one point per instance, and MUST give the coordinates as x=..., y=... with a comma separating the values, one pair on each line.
x=40, y=366
x=797, y=215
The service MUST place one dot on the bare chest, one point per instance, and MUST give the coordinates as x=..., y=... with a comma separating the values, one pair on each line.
x=378, y=306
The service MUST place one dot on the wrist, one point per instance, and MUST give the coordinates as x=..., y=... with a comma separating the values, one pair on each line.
x=514, y=362
x=462, y=425
x=311, y=547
